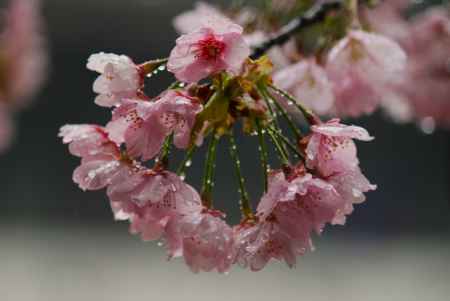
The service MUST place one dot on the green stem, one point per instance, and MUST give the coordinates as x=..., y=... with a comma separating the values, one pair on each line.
x=208, y=177
x=282, y=154
x=263, y=153
x=186, y=161
x=309, y=115
x=162, y=162
x=245, y=205
x=269, y=103
x=175, y=85
x=289, y=120
x=286, y=142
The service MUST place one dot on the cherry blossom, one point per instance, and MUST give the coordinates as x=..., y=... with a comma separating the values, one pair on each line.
x=221, y=87
x=359, y=66
x=214, y=47
x=309, y=84
x=120, y=78
x=257, y=244
x=330, y=148
x=207, y=242
x=149, y=124
x=100, y=157
x=23, y=53
x=154, y=202
x=332, y=153
x=196, y=18
x=293, y=207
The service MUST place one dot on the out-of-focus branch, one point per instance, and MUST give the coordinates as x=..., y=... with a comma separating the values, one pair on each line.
x=316, y=14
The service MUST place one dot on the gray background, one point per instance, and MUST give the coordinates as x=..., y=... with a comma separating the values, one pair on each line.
x=58, y=243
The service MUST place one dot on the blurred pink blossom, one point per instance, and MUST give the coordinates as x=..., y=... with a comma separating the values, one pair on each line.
x=23, y=53
x=309, y=84
x=196, y=18
x=360, y=67
x=23, y=61
x=423, y=93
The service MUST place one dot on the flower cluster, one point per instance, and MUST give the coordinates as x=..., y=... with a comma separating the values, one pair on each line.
x=22, y=61
x=317, y=183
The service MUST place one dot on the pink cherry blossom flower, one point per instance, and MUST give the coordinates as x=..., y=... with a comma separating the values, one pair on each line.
x=359, y=67
x=129, y=114
x=120, y=78
x=427, y=83
x=351, y=186
x=214, y=47
x=207, y=242
x=330, y=148
x=86, y=140
x=154, y=202
x=256, y=245
x=309, y=83
x=300, y=205
x=387, y=18
x=332, y=153
x=22, y=53
x=196, y=18
x=288, y=213
x=174, y=112
x=100, y=157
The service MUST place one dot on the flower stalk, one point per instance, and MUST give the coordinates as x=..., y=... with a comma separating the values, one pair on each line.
x=263, y=153
x=187, y=161
x=162, y=161
x=290, y=122
x=208, y=178
x=285, y=141
x=245, y=204
x=282, y=153
x=307, y=113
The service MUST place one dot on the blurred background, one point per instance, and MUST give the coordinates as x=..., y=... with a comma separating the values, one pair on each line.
x=58, y=243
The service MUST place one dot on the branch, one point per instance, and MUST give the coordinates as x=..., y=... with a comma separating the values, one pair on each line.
x=316, y=14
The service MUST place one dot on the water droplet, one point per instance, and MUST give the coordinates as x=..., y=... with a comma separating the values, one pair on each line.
x=428, y=125
x=162, y=68
x=188, y=163
x=183, y=176
x=160, y=244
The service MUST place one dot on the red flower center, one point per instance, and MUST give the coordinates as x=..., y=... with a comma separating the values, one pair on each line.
x=210, y=48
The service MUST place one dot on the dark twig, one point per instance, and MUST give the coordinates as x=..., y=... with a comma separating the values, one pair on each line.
x=316, y=14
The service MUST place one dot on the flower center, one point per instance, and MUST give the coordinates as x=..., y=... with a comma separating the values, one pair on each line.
x=210, y=48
